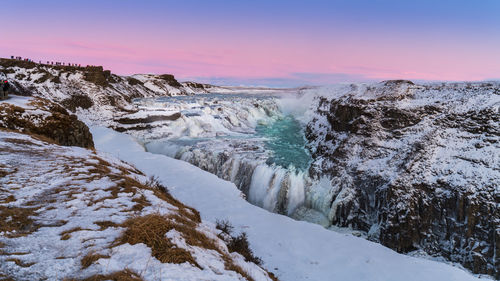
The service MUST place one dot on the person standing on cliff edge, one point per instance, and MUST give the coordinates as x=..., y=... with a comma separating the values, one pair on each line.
x=4, y=89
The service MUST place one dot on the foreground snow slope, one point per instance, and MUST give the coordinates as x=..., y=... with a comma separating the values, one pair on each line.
x=64, y=212
x=71, y=213
x=294, y=250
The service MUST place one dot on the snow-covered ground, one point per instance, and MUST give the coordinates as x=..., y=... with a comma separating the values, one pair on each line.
x=295, y=250
x=65, y=210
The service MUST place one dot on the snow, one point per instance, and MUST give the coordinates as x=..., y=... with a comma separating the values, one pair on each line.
x=294, y=250
x=69, y=194
x=18, y=100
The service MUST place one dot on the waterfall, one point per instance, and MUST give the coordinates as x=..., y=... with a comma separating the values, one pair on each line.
x=271, y=187
x=250, y=142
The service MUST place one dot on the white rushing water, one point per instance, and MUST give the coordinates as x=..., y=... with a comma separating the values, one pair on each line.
x=254, y=141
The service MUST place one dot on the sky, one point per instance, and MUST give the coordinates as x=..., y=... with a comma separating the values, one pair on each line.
x=263, y=42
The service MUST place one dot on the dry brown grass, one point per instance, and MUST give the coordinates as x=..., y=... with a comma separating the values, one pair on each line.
x=151, y=230
x=124, y=275
x=17, y=221
x=90, y=258
x=17, y=253
x=65, y=235
x=230, y=265
x=127, y=184
x=19, y=141
x=20, y=263
x=141, y=202
x=6, y=278
x=237, y=243
x=106, y=224
x=8, y=199
x=2, y=245
x=240, y=245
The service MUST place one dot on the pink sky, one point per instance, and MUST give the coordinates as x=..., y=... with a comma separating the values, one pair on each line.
x=299, y=52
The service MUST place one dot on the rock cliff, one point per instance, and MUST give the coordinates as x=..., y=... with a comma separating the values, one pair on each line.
x=414, y=166
x=43, y=118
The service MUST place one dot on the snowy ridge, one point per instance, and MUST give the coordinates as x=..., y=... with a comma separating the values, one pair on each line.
x=63, y=209
x=103, y=96
x=93, y=88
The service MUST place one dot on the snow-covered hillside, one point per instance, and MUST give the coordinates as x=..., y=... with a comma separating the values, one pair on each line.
x=72, y=213
x=417, y=167
x=103, y=95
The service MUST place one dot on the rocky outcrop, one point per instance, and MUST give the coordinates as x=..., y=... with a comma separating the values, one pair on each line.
x=95, y=87
x=44, y=118
x=415, y=166
x=170, y=80
x=98, y=76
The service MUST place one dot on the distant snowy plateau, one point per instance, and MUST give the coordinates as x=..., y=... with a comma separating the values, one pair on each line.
x=382, y=181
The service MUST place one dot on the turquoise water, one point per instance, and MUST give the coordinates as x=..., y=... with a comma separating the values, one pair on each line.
x=285, y=138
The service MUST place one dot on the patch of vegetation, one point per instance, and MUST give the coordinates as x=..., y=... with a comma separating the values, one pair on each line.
x=17, y=221
x=225, y=226
x=46, y=76
x=65, y=235
x=20, y=76
x=20, y=263
x=10, y=198
x=124, y=275
x=19, y=90
x=151, y=230
x=7, y=70
x=132, y=81
x=77, y=101
x=239, y=243
x=106, y=224
x=56, y=80
x=90, y=258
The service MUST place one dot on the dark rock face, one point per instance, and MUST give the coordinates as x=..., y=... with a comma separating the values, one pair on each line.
x=98, y=76
x=416, y=167
x=54, y=123
x=170, y=80
x=149, y=119
x=18, y=89
x=197, y=85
